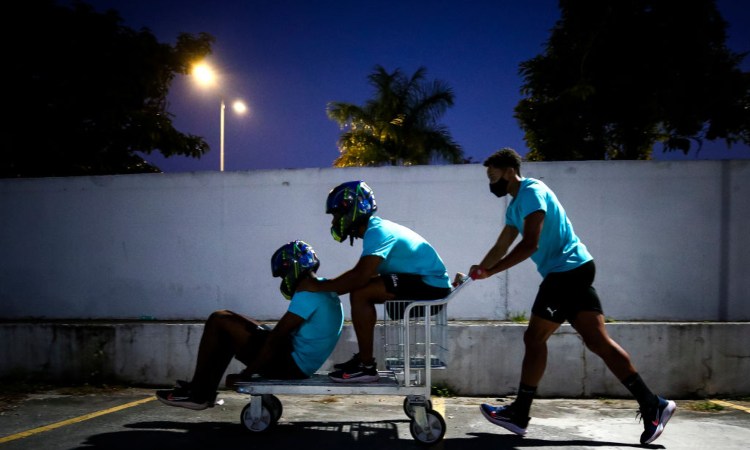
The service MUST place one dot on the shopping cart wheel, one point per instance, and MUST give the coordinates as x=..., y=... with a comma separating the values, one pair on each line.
x=433, y=433
x=409, y=409
x=263, y=419
x=274, y=405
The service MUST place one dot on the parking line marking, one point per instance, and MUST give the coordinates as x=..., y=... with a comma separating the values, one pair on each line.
x=438, y=405
x=63, y=423
x=731, y=405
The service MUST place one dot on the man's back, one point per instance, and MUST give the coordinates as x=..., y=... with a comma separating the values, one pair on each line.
x=559, y=247
x=403, y=251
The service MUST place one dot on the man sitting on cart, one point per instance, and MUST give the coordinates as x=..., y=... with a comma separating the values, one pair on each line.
x=294, y=349
x=396, y=263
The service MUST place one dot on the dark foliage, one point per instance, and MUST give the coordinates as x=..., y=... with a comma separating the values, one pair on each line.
x=89, y=93
x=618, y=77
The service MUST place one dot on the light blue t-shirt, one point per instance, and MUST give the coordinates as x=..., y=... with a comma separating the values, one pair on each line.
x=315, y=339
x=559, y=250
x=403, y=251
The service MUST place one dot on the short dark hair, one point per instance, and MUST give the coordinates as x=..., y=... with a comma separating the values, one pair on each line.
x=505, y=157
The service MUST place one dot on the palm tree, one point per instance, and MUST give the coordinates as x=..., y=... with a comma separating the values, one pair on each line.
x=399, y=125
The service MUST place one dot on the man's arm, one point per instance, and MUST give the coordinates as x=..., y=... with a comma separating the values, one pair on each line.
x=355, y=278
x=496, y=253
x=288, y=323
x=532, y=230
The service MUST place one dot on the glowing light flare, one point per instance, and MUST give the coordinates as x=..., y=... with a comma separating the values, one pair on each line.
x=239, y=107
x=204, y=74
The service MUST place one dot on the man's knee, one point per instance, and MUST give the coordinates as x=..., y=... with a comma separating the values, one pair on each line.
x=539, y=331
x=532, y=339
x=220, y=315
x=600, y=345
x=372, y=293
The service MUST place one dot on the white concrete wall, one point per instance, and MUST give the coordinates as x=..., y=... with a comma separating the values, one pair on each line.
x=677, y=360
x=669, y=238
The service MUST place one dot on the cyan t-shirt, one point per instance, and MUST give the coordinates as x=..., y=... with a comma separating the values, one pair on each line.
x=316, y=338
x=403, y=251
x=559, y=250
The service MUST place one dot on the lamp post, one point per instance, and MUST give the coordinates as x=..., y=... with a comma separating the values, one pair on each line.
x=207, y=77
x=221, y=138
x=240, y=108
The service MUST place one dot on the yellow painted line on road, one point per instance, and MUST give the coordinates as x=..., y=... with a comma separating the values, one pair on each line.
x=438, y=405
x=63, y=423
x=731, y=405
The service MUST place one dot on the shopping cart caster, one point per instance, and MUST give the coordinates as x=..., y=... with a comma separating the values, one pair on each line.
x=275, y=406
x=431, y=432
x=409, y=405
x=261, y=413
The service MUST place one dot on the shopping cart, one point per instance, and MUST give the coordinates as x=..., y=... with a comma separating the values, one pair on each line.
x=415, y=340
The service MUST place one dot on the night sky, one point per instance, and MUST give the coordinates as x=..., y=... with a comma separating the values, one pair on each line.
x=287, y=59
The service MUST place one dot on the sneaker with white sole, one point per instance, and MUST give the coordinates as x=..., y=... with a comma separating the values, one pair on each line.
x=655, y=419
x=361, y=373
x=183, y=397
x=351, y=364
x=506, y=417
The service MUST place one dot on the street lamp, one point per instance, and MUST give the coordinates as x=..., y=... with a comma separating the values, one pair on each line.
x=207, y=77
x=239, y=108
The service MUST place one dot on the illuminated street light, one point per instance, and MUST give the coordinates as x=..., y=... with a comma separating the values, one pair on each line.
x=206, y=76
x=239, y=108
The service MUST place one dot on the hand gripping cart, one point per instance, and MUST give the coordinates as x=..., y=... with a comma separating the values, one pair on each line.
x=415, y=343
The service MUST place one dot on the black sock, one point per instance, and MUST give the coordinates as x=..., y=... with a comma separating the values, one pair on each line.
x=522, y=405
x=646, y=399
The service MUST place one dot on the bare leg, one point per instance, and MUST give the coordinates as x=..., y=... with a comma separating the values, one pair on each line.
x=364, y=316
x=225, y=335
x=535, y=356
x=590, y=325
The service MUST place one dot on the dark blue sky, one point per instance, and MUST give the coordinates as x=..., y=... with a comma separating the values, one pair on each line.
x=288, y=59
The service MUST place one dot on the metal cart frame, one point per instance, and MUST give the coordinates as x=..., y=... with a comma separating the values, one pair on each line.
x=404, y=378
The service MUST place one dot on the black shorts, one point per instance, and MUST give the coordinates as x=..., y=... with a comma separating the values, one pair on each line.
x=408, y=286
x=281, y=366
x=563, y=294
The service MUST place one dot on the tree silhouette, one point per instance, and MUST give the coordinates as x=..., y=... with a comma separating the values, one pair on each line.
x=399, y=125
x=617, y=77
x=89, y=93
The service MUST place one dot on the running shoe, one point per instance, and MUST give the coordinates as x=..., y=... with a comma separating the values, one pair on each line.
x=655, y=419
x=181, y=384
x=183, y=397
x=360, y=374
x=506, y=417
x=231, y=380
x=351, y=364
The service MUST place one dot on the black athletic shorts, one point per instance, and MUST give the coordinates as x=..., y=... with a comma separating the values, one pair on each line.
x=281, y=366
x=408, y=286
x=563, y=294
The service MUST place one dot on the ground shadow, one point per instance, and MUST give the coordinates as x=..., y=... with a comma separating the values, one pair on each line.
x=511, y=441
x=203, y=435
x=337, y=435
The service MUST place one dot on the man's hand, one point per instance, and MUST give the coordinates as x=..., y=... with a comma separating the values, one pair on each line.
x=357, y=277
x=308, y=284
x=478, y=273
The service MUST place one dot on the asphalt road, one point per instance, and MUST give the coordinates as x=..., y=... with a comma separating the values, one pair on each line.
x=131, y=419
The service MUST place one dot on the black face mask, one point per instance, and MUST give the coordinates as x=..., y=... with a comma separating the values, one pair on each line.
x=499, y=187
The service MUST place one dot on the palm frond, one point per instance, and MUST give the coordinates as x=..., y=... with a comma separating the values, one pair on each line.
x=399, y=124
